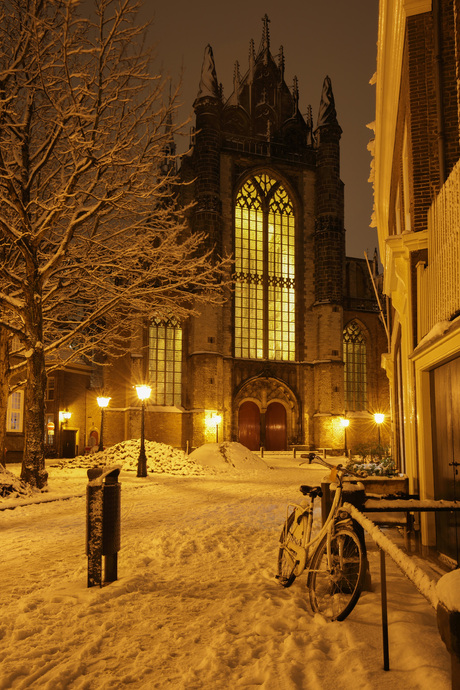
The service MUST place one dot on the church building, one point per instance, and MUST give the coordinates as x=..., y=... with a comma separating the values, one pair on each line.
x=295, y=348
x=297, y=345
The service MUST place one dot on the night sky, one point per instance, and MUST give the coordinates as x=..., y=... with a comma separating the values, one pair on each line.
x=331, y=37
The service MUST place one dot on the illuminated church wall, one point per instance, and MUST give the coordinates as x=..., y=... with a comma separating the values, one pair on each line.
x=269, y=363
x=266, y=185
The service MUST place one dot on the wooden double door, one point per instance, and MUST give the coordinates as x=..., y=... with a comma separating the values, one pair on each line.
x=445, y=401
x=256, y=429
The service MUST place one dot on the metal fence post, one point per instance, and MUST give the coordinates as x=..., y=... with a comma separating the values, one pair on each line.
x=383, y=596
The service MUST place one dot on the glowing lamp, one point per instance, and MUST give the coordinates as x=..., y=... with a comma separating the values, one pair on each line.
x=143, y=392
x=213, y=422
x=345, y=424
x=103, y=402
x=378, y=419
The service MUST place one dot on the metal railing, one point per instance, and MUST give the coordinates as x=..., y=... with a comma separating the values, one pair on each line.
x=439, y=282
x=424, y=584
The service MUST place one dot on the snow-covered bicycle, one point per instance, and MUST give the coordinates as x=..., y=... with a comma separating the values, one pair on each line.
x=334, y=557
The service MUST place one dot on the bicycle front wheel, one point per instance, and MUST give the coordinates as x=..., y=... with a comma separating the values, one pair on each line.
x=287, y=561
x=335, y=590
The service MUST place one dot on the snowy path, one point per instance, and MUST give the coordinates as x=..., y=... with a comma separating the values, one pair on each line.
x=196, y=605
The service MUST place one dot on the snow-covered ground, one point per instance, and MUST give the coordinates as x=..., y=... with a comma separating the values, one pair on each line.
x=196, y=605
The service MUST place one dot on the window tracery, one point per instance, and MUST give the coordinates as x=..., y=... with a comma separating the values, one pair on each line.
x=355, y=371
x=165, y=362
x=264, y=270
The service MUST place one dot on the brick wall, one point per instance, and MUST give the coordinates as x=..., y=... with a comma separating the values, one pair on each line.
x=425, y=106
x=449, y=74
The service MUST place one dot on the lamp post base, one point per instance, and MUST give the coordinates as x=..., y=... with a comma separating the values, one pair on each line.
x=142, y=464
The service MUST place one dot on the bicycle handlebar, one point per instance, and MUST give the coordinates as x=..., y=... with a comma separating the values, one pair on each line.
x=345, y=470
x=322, y=461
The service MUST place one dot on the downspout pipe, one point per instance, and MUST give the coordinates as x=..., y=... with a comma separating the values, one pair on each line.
x=438, y=82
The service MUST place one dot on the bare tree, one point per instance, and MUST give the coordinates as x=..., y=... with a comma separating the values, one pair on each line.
x=90, y=237
x=4, y=388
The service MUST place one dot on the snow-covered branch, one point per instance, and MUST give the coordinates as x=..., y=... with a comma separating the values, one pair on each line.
x=91, y=240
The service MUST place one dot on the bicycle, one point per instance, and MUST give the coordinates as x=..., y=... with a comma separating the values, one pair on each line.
x=336, y=565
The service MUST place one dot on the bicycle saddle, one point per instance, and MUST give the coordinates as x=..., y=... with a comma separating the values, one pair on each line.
x=312, y=491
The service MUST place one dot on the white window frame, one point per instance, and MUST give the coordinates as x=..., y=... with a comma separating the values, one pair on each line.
x=15, y=413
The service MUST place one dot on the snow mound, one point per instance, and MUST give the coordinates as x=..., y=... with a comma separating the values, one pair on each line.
x=226, y=455
x=11, y=486
x=448, y=590
x=161, y=458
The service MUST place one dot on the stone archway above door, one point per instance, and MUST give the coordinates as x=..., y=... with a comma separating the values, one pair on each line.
x=265, y=390
x=270, y=396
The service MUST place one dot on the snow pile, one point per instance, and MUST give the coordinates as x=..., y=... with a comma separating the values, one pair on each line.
x=161, y=458
x=12, y=486
x=448, y=590
x=227, y=455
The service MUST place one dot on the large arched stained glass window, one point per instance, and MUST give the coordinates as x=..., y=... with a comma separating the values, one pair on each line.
x=354, y=357
x=264, y=271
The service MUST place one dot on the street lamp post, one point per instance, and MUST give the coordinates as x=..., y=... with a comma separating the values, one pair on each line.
x=379, y=418
x=212, y=421
x=103, y=403
x=64, y=417
x=217, y=420
x=345, y=423
x=143, y=393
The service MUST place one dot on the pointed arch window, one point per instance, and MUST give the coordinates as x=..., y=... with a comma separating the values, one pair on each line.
x=264, y=271
x=354, y=357
x=165, y=362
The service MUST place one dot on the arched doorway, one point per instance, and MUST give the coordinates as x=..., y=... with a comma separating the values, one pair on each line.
x=275, y=427
x=249, y=425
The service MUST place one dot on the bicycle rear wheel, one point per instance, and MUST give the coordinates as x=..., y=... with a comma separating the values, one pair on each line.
x=286, y=561
x=334, y=592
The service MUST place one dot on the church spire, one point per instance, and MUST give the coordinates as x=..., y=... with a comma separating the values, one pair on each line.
x=209, y=86
x=281, y=62
x=168, y=162
x=327, y=114
x=309, y=121
x=236, y=80
x=295, y=95
x=266, y=38
x=252, y=60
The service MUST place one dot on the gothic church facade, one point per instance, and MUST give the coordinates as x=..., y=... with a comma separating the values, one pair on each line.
x=297, y=344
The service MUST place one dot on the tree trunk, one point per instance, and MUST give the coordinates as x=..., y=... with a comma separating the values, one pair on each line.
x=33, y=463
x=4, y=390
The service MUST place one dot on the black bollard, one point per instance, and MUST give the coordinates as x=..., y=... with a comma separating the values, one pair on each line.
x=103, y=501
